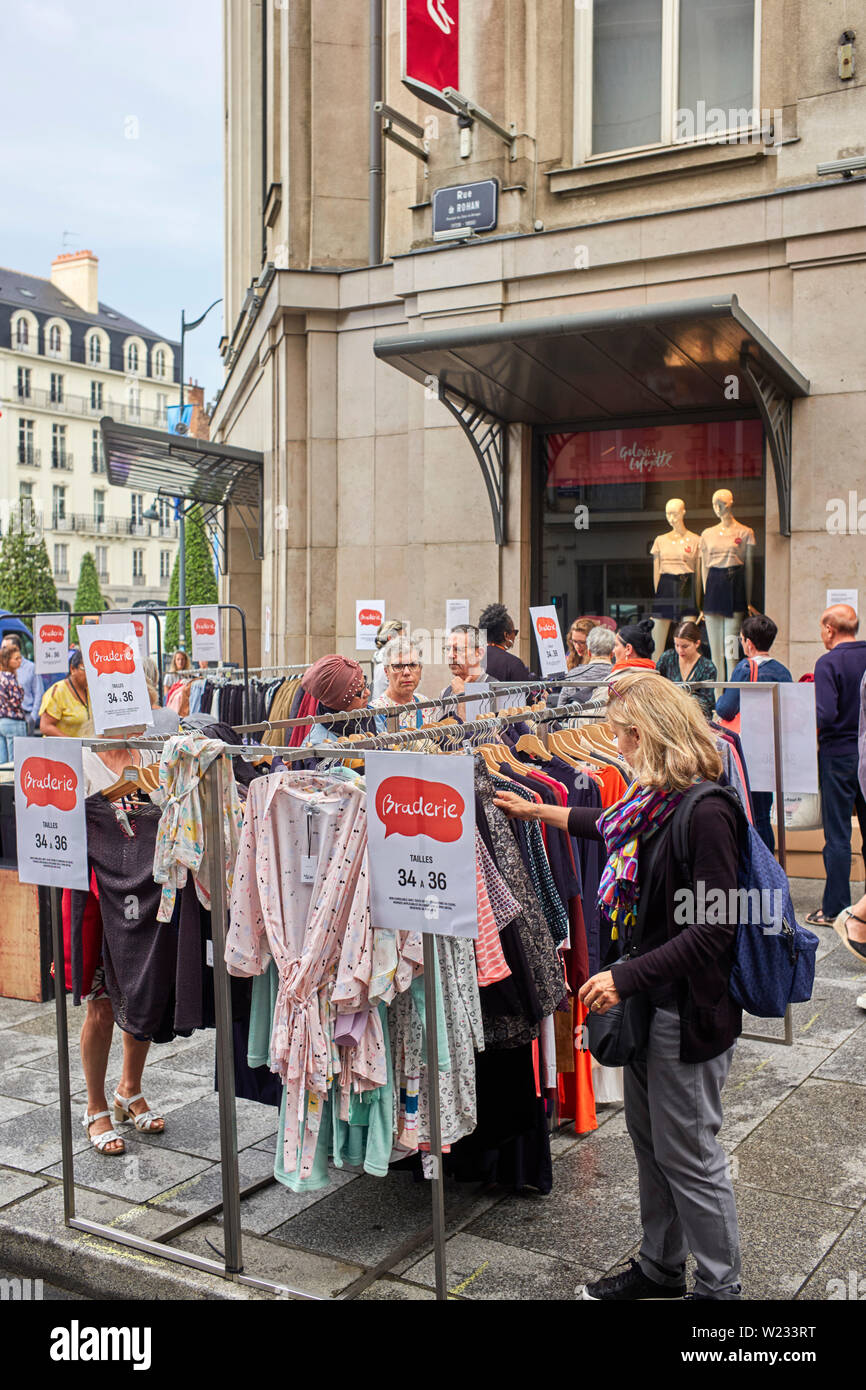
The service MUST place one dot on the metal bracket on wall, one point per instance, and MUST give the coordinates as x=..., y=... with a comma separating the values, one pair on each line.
x=775, y=411
x=489, y=439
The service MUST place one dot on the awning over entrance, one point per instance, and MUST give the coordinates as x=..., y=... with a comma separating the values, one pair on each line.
x=660, y=360
x=195, y=470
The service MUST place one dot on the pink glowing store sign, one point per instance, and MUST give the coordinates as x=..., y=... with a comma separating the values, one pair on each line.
x=727, y=449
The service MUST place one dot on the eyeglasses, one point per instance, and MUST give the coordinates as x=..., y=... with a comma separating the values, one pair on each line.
x=405, y=665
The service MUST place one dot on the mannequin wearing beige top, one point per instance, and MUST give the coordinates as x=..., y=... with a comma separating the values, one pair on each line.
x=727, y=552
x=676, y=574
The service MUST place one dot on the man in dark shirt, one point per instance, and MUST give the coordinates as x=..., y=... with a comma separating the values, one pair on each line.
x=837, y=700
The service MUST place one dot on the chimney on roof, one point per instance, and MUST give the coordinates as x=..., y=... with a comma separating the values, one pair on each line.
x=74, y=273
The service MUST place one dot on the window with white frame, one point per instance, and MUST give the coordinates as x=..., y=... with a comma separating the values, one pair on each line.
x=98, y=504
x=136, y=502
x=26, y=451
x=24, y=383
x=22, y=333
x=165, y=565
x=94, y=349
x=138, y=564
x=59, y=456
x=61, y=561
x=56, y=392
x=655, y=73
x=97, y=455
x=58, y=503
x=96, y=395
x=132, y=357
x=54, y=342
x=159, y=362
x=100, y=555
x=25, y=503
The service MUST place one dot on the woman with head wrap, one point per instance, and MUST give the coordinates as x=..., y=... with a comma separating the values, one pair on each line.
x=336, y=683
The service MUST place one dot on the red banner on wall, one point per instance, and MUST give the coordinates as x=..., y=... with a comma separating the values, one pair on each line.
x=723, y=449
x=431, y=49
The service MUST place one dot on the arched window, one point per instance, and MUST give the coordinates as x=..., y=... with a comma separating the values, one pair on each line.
x=54, y=338
x=132, y=357
x=22, y=333
x=95, y=349
x=159, y=363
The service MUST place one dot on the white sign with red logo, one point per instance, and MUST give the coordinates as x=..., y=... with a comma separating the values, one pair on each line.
x=49, y=812
x=551, y=653
x=421, y=843
x=51, y=644
x=369, y=617
x=139, y=626
x=115, y=680
x=431, y=49
x=205, y=623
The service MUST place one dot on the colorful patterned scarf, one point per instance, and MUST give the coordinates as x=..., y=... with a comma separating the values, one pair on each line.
x=640, y=810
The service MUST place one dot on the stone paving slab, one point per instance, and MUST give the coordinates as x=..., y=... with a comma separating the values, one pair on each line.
x=11, y=1108
x=165, y=1090
x=195, y=1194
x=17, y=1049
x=29, y=1083
x=32, y=1141
x=306, y=1271
x=812, y=1146
x=591, y=1219
x=147, y=1168
x=782, y=1238
x=16, y=1011
x=194, y=1128
x=762, y=1075
x=848, y=1062
x=389, y=1290
x=487, y=1269
x=841, y=1275
x=15, y=1185
x=264, y=1212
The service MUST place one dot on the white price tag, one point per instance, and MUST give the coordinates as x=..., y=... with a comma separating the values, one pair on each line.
x=421, y=843
x=551, y=652
x=115, y=680
x=309, y=863
x=49, y=812
x=139, y=627
x=369, y=617
x=51, y=644
x=205, y=626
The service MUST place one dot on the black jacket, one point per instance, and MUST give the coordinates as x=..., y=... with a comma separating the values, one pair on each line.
x=694, y=957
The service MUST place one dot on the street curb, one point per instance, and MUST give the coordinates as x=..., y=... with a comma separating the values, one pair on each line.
x=97, y=1269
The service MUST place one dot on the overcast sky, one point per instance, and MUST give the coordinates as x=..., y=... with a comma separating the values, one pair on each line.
x=112, y=134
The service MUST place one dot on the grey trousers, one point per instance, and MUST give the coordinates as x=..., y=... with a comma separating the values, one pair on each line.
x=673, y=1112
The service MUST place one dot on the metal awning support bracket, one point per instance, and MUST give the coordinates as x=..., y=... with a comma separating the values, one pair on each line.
x=774, y=408
x=488, y=436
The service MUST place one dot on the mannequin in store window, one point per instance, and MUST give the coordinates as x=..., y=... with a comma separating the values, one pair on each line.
x=727, y=564
x=676, y=573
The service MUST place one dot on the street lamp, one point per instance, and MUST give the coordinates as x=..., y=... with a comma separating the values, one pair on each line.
x=179, y=511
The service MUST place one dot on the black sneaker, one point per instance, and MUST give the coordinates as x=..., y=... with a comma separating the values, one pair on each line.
x=631, y=1283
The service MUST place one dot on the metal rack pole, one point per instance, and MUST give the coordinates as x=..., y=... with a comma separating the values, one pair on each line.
x=213, y=815
x=431, y=1034
x=62, y=1054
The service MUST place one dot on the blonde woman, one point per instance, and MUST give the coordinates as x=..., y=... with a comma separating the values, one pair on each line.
x=673, y=1093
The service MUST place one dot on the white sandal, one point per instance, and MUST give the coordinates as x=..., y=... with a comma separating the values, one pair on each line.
x=101, y=1141
x=144, y=1121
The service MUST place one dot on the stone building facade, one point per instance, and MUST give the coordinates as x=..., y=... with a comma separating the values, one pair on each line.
x=607, y=218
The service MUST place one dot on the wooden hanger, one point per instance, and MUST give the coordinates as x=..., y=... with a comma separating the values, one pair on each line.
x=531, y=743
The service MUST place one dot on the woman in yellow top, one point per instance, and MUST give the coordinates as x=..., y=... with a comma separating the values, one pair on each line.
x=65, y=706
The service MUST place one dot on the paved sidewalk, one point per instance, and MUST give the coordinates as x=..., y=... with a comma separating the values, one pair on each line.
x=794, y=1125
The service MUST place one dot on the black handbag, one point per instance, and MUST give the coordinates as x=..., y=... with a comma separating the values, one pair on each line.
x=621, y=1035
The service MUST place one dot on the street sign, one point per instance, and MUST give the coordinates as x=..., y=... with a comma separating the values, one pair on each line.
x=474, y=205
x=421, y=843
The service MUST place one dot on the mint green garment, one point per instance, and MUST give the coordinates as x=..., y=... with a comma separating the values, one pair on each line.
x=362, y=1142
x=416, y=989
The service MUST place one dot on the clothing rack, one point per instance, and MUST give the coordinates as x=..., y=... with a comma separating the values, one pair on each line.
x=231, y=1267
